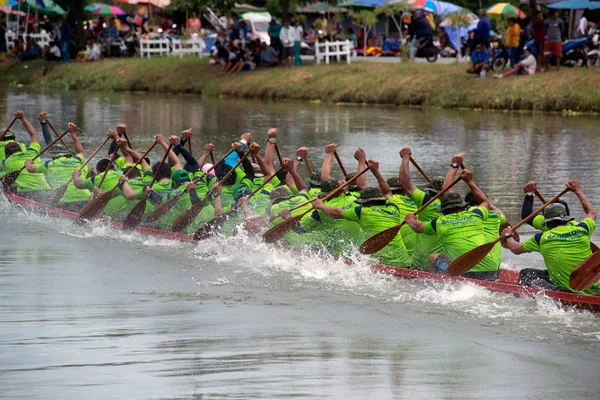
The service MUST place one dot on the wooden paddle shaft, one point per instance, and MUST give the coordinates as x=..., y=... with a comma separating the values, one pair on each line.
x=437, y=196
x=47, y=147
x=418, y=167
x=161, y=164
x=278, y=155
x=190, y=145
x=212, y=158
x=89, y=159
x=307, y=165
x=134, y=165
x=8, y=128
x=265, y=182
x=56, y=133
x=335, y=154
x=539, y=196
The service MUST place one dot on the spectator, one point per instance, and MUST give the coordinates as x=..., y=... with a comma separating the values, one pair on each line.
x=90, y=53
x=526, y=66
x=274, y=32
x=421, y=31
x=53, y=52
x=299, y=36
x=481, y=34
x=288, y=38
x=3, y=48
x=320, y=26
x=511, y=42
x=32, y=51
x=193, y=25
x=539, y=36
x=17, y=48
x=554, y=30
x=244, y=62
x=221, y=54
x=243, y=33
x=480, y=61
x=582, y=27
x=268, y=56
x=65, y=37
x=352, y=38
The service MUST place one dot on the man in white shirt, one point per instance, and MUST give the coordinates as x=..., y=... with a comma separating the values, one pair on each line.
x=582, y=27
x=287, y=35
x=526, y=66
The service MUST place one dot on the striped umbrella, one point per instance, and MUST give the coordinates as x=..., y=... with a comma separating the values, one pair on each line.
x=505, y=9
x=104, y=9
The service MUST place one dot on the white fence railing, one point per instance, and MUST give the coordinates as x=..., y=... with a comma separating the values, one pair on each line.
x=191, y=46
x=43, y=39
x=174, y=47
x=160, y=47
x=326, y=50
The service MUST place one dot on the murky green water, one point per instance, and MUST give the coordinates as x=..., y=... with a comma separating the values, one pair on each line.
x=89, y=312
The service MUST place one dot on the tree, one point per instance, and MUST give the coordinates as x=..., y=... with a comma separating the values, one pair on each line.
x=366, y=19
x=459, y=19
x=394, y=11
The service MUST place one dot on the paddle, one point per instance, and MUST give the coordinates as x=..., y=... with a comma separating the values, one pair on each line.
x=165, y=207
x=307, y=165
x=96, y=206
x=134, y=217
x=418, y=167
x=587, y=273
x=383, y=238
x=212, y=158
x=56, y=133
x=8, y=128
x=278, y=155
x=593, y=246
x=335, y=154
x=54, y=197
x=471, y=258
x=189, y=145
x=184, y=220
x=208, y=229
x=281, y=229
x=10, y=178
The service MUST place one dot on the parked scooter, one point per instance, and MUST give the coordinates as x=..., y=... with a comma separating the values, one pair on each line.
x=573, y=53
x=593, y=49
x=428, y=50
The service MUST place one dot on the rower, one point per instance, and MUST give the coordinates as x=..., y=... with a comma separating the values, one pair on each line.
x=92, y=183
x=459, y=230
x=375, y=213
x=425, y=244
x=60, y=169
x=406, y=206
x=564, y=245
x=495, y=219
x=243, y=176
x=30, y=185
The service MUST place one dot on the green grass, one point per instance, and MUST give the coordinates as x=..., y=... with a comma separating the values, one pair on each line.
x=573, y=90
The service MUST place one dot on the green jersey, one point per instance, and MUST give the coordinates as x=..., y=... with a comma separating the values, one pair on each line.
x=339, y=235
x=462, y=232
x=491, y=229
x=376, y=219
x=3, y=144
x=118, y=207
x=112, y=179
x=564, y=248
x=26, y=182
x=406, y=205
x=261, y=200
x=424, y=244
x=314, y=192
x=59, y=171
x=288, y=204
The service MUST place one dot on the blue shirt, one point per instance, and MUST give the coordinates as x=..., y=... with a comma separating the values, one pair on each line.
x=483, y=29
x=479, y=58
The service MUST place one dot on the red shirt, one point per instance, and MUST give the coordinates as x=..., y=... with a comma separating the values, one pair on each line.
x=539, y=34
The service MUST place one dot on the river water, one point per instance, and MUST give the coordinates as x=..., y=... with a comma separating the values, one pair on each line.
x=88, y=312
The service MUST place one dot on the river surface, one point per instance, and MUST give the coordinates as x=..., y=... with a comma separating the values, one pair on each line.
x=87, y=312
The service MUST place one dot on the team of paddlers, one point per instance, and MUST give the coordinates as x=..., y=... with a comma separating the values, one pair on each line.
x=401, y=225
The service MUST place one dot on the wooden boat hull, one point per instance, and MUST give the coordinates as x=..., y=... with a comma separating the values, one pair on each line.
x=506, y=283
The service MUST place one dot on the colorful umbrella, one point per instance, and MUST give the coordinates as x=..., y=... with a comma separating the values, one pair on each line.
x=431, y=6
x=505, y=9
x=104, y=9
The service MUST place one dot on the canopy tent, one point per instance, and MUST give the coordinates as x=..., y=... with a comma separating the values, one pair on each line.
x=577, y=5
x=321, y=6
x=244, y=8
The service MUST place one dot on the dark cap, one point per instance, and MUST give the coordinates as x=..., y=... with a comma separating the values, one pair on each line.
x=329, y=185
x=435, y=186
x=371, y=194
x=452, y=200
x=315, y=179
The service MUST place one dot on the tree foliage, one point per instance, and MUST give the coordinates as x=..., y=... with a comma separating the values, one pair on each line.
x=394, y=11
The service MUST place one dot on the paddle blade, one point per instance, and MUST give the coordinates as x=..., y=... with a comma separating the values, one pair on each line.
x=54, y=197
x=209, y=229
x=134, y=217
x=95, y=207
x=163, y=209
x=587, y=273
x=467, y=261
x=380, y=240
x=9, y=179
x=253, y=226
x=280, y=230
x=184, y=220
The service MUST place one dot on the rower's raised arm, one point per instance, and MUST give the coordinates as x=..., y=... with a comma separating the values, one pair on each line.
x=270, y=150
x=404, y=175
x=173, y=159
x=468, y=177
x=527, y=207
x=383, y=185
x=179, y=149
x=267, y=170
x=588, y=208
x=298, y=181
x=456, y=161
x=326, y=169
x=361, y=157
x=34, y=138
x=76, y=143
x=43, y=118
x=208, y=148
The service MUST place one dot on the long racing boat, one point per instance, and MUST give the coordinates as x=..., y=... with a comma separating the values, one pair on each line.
x=506, y=282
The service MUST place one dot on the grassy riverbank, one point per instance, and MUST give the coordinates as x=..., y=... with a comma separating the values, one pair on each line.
x=435, y=85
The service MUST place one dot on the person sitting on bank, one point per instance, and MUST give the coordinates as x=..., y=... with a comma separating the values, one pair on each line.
x=53, y=52
x=268, y=56
x=526, y=66
x=564, y=245
x=480, y=61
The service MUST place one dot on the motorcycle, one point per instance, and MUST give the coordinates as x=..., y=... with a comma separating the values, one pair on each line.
x=500, y=58
x=593, y=49
x=573, y=53
x=428, y=50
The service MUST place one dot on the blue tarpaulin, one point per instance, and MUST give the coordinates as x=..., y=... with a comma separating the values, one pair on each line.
x=577, y=5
